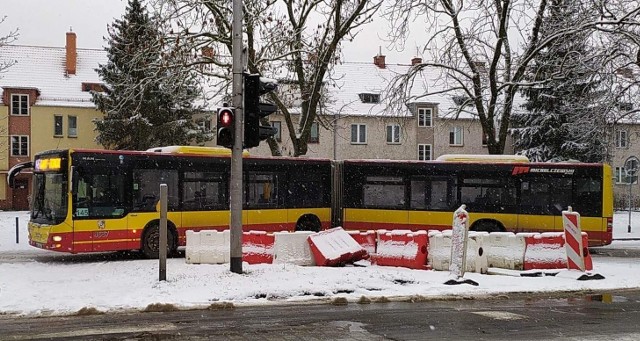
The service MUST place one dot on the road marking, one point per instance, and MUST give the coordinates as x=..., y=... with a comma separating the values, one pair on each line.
x=101, y=331
x=500, y=315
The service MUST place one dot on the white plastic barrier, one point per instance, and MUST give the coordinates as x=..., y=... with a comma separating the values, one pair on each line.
x=505, y=250
x=476, y=254
x=439, y=255
x=207, y=247
x=292, y=248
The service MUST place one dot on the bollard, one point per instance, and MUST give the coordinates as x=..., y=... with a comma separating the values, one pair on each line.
x=17, y=231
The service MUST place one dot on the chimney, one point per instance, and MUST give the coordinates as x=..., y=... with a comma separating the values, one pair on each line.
x=416, y=61
x=379, y=61
x=71, y=53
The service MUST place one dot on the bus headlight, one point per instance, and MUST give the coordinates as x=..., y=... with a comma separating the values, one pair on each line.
x=57, y=238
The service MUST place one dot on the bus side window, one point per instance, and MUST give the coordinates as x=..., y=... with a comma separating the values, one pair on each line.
x=146, y=188
x=418, y=194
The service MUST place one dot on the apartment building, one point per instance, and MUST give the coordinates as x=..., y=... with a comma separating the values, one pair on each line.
x=45, y=105
x=356, y=121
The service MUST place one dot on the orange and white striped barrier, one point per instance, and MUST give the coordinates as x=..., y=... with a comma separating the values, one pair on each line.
x=573, y=239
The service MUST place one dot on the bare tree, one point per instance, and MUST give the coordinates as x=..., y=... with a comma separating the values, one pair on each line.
x=294, y=41
x=6, y=40
x=483, y=50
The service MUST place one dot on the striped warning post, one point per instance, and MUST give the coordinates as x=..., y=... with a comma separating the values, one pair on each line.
x=573, y=240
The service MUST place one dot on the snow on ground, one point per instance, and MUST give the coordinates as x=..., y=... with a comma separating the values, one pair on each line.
x=38, y=282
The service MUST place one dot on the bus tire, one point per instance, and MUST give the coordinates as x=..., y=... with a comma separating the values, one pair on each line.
x=487, y=226
x=151, y=239
x=308, y=222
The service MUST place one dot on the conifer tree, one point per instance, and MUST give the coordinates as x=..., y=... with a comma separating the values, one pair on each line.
x=144, y=106
x=562, y=119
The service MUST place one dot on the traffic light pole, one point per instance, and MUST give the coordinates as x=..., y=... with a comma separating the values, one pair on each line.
x=235, y=228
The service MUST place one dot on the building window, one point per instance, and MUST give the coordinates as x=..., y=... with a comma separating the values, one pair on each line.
x=19, y=104
x=393, y=134
x=621, y=176
x=19, y=145
x=369, y=98
x=425, y=117
x=424, y=152
x=205, y=125
x=314, y=137
x=72, y=130
x=278, y=134
x=621, y=138
x=358, y=134
x=57, y=125
x=456, y=136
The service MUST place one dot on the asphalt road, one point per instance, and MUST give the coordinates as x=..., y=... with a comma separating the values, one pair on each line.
x=611, y=316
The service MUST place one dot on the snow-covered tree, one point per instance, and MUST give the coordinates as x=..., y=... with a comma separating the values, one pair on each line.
x=144, y=107
x=291, y=40
x=484, y=50
x=563, y=117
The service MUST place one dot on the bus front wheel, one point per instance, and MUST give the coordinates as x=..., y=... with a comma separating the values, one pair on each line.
x=151, y=241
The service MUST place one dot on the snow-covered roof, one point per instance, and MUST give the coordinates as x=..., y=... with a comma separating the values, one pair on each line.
x=43, y=68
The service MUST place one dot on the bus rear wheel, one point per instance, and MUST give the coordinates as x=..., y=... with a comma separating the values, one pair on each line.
x=308, y=223
x=151, y=241
x=487, y=226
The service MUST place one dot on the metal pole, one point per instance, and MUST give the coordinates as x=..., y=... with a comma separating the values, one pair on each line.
x=162, y=244
x=629, y=226
x=17, y=231
x=235, y=247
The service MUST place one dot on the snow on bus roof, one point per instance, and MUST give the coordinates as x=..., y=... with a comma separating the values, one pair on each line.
x=482, y=158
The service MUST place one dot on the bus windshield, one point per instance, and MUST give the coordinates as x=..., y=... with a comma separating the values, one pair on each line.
x=49, y=203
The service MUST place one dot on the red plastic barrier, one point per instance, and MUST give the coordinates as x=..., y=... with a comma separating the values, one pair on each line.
x=402, y=248
x=335, y=247
x=257, y=247
x=366, y=239
x=546, y=251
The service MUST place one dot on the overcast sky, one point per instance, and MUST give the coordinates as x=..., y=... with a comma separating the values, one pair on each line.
x=45, y=22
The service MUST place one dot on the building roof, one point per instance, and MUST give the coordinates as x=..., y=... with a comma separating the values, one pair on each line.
x=43, y=68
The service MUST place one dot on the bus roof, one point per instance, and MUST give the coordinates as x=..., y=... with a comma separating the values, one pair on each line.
x=197, y=150
x=483, y=158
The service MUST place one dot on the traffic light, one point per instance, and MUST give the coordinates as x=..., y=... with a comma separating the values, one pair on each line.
x=254, y=87
x=225, y=127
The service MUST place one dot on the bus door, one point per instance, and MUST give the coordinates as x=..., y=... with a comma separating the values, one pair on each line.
x=265, y=199
x=99, y=210
x=540, y=198
x=145, y=193
x=432, y=201
x=205, y=200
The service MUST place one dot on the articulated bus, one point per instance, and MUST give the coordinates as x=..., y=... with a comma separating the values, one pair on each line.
x=500, y=195
x=100, y=200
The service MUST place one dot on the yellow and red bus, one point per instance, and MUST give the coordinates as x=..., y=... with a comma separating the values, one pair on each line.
x=100, y=200
x=501, y=194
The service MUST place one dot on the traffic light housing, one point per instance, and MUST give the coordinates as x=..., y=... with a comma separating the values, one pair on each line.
x=225, y=127
x=254, y=87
